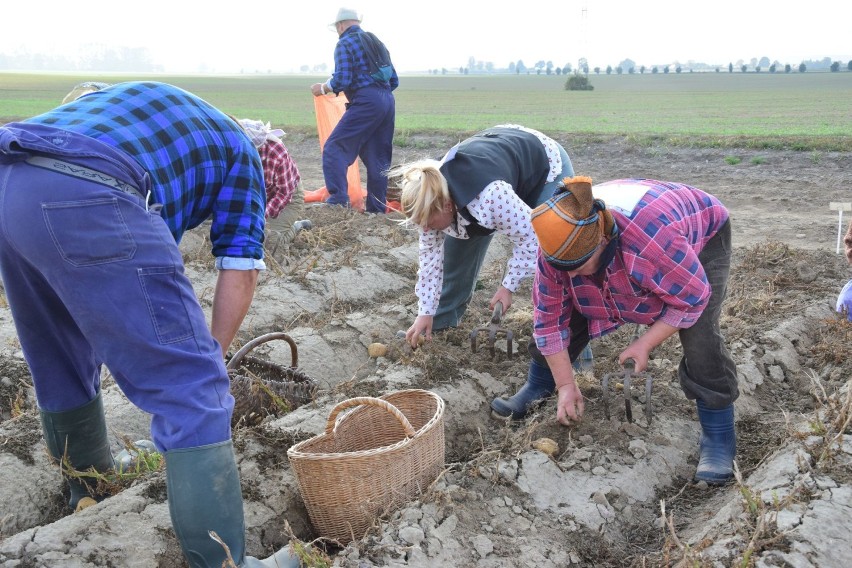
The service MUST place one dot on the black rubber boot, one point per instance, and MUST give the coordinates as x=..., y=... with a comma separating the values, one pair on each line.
x=203, y=487
x=79, y=437
x=539, y=386
x=718, y=445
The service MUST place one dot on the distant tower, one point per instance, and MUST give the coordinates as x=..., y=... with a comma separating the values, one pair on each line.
x=584, y=32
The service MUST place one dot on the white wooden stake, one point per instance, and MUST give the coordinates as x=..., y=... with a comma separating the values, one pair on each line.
x=840, y=207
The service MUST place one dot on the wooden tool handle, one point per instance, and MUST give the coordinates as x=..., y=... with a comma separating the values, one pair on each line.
x=497, y=314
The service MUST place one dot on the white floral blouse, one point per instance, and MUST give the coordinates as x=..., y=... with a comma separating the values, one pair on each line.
x=497, y=207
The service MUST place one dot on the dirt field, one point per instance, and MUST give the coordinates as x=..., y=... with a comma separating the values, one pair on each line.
x=614, y=493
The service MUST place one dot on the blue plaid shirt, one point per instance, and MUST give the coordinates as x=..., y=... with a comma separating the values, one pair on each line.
x=350, y=66
x=200, y=162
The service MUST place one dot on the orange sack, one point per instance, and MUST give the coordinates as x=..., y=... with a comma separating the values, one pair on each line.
x=329, y=110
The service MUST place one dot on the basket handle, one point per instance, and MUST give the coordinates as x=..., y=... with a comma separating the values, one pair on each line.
x=235, y=361
x=371, y=401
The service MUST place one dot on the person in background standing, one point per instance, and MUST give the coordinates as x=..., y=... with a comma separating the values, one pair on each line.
x=366, y=128
x=95, y=196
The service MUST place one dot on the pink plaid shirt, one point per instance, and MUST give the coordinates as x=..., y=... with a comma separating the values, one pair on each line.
x=655, y=275
x=280, y=174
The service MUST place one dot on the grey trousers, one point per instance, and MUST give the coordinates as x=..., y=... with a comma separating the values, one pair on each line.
x=279, y=231
x=707, y=371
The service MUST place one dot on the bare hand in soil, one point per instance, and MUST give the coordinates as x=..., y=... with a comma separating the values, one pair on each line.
x=503, y=296
x=570, y=405
x=422, y=327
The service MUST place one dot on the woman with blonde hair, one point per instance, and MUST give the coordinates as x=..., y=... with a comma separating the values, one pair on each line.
x=486, y=184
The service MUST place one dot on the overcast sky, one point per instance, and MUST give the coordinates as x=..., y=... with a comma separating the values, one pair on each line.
x=283, y=35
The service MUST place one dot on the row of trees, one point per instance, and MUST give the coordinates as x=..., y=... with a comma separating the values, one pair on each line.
x=834, y=68
x=629, y=66
x=93, y=57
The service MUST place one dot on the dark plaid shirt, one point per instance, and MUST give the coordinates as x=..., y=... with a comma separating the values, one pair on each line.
x=200, y=162
x=350, y=66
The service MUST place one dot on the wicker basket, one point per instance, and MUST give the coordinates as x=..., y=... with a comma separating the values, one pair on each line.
x=374, y=458
x=263, y=388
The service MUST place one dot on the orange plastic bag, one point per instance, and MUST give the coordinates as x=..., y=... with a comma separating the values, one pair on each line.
x=329, y=110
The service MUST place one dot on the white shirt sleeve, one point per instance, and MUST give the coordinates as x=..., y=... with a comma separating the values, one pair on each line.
x=498, y=207
x=234, y=263
x=430, y=277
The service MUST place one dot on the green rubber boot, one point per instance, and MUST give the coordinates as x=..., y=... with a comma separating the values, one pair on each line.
x=203, y=487
x=79, y=437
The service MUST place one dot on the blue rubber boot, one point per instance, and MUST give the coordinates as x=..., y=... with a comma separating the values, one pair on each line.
x=539, y=386
x=718, y=445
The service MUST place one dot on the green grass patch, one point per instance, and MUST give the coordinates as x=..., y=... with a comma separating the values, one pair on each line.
x=799, y=111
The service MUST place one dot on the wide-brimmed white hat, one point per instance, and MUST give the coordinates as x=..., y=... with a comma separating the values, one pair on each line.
x=346, y=14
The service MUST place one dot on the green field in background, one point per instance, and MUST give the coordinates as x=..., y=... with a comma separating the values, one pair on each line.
x=811, y=106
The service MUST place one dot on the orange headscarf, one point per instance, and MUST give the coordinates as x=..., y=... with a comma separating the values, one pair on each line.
x=570, y=224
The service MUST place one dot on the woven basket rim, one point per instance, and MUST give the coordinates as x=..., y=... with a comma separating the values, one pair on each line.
x=295, y=451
